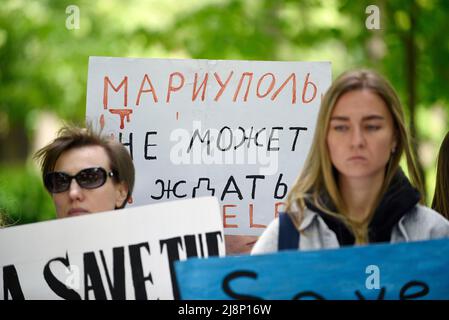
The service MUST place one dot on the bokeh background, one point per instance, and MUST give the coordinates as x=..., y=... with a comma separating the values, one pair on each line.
x=43, y=64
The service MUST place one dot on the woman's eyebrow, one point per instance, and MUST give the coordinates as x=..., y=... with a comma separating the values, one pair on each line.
x=373, y=117
x=366, y=118
x=341, y=118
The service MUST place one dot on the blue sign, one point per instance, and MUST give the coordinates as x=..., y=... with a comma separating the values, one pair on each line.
x=404, y=271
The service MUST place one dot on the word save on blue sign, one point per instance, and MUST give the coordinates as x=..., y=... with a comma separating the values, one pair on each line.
x=404, y=271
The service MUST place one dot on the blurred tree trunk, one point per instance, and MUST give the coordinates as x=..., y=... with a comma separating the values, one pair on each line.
x=412, y=79
x=14, y=145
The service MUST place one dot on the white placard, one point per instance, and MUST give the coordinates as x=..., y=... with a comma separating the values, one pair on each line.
x=238, y=130
x=123, y=254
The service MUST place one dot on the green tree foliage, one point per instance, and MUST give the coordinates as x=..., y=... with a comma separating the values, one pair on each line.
x=21, y=194
x=43, y=65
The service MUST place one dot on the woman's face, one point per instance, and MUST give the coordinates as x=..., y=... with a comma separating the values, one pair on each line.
x=77, y=200
x=361, y=135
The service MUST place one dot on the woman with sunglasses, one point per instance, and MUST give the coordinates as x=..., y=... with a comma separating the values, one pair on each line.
x=85, y=172
x=352, y=190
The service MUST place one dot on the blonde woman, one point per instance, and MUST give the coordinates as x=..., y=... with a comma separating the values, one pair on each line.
x=352, y=190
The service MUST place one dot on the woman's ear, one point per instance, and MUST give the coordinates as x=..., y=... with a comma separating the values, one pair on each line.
x=395, y=142
x=121, y=193
x=393, y=149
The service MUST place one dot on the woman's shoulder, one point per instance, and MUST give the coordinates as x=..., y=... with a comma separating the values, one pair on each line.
x=424, y=221
x=268, y=241
x=428, y=214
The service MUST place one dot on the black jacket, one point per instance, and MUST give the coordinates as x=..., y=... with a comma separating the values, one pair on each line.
x=399, y=199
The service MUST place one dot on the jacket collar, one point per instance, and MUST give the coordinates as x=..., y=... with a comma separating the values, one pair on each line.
x=399, y=199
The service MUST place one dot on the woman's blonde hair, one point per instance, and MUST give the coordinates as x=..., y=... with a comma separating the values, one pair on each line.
x=318, y=177
x=440, y=201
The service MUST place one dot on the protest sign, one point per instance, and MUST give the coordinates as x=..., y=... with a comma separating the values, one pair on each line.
x=122, y=254
x=237, y=130
x=404, y=271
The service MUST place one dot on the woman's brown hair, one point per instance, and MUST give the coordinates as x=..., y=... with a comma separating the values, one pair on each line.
x=440, y=201
x=70, y=137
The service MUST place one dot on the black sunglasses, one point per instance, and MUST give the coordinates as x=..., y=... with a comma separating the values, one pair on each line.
x=89, y=178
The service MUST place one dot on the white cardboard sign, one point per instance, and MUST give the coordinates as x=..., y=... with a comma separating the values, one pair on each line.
x=122, y=254
x=237, y=130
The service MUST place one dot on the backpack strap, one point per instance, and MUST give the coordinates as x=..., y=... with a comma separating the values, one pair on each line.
x=288, y=234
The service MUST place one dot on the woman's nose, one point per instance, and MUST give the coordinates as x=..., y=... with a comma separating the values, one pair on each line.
x=75, y=191
x=357, y=138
